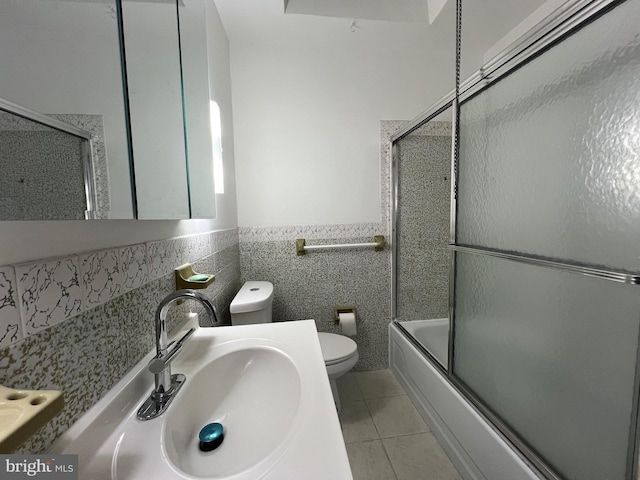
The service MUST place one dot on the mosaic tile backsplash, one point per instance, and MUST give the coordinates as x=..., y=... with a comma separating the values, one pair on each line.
x=310, y=286
x=80, y=323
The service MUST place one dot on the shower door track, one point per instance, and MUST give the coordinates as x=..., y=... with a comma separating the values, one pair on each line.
x=555, y=27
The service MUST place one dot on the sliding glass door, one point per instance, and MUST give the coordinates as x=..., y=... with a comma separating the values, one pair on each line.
x=422, y=173
x=547, y=318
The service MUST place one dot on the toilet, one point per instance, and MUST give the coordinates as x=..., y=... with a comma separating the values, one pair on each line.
x=253, y=304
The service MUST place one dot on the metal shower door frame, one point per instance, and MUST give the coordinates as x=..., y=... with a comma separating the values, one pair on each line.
x=552, y=30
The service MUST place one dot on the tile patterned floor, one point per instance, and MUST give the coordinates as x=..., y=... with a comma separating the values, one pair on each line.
x=385, y=435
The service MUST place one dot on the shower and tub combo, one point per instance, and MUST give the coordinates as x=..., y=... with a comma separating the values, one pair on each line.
x=432, y=335
x=515, y=268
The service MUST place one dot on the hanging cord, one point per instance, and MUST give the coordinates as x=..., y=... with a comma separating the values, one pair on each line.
x=454, y=180
x=456, y=104
x=458, y=44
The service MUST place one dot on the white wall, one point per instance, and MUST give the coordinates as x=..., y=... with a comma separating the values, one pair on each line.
x=309, y=94
x=26, y=241
x=523, y=27
x=306, y=121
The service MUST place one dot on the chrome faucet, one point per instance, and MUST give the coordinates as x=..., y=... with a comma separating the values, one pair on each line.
x=166, y=384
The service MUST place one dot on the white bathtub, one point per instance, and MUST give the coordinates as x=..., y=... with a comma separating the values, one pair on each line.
x=433, y=335
x=472, y=444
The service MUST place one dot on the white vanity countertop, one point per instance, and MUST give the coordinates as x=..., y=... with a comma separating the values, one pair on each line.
x=112, y=443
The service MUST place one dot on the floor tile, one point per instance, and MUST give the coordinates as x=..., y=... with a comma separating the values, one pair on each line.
x=395, y=416
x=419, y=457
x=369, y=461
x=378, y=383
x=348, y=388
x=356, y=422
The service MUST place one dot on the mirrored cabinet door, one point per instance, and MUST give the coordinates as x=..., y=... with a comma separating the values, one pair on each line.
x=201, y=115
x=152, y=56
x=37, y=160
x=62, y=58
x=113, y=69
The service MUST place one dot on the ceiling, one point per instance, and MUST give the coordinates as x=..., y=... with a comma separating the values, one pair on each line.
x=410, y=24
x=396, y=11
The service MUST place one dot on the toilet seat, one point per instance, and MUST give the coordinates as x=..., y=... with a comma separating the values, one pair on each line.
x=336, y=348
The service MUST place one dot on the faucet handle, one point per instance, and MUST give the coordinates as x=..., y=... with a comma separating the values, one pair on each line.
x=186, y=335
x=160, y=362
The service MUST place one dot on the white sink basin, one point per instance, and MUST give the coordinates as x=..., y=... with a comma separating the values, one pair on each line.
x=266, y=384
x=253, y=391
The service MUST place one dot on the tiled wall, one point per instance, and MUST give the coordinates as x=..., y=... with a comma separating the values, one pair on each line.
x=424, y=199
x=38, y=159
x=310, y=286
x=80, y=323
x=35, y=164
x=94, y=125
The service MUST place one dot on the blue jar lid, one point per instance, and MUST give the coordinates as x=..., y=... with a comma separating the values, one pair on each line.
x=210, y=432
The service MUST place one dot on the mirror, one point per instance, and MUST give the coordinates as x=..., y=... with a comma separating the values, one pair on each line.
x=62, y=58
x=38, y=158
x=155, y=107
x=201, y=115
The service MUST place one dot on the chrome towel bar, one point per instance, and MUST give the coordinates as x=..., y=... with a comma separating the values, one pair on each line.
x=378, y=245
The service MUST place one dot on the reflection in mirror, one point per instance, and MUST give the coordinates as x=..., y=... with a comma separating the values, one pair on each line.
x=47, y=168
x=168, y=90
x=62, y=58
x=155, y=108
x=200, y=115
x=422, y=175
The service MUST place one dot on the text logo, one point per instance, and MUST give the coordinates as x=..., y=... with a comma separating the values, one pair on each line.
x=49, y=467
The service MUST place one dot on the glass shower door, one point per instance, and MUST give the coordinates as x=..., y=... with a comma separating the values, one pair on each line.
x=546, y=329
x=423, y=182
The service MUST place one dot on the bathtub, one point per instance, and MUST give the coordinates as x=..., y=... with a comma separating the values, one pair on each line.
x=477, y=450
x=433, y=335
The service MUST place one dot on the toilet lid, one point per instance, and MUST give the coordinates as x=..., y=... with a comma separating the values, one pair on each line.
x=336, y=348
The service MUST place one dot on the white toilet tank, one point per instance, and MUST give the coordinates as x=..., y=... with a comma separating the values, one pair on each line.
x=252, y=304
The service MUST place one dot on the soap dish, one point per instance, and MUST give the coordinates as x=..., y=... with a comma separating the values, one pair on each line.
x=186, y=277
x=23, y=413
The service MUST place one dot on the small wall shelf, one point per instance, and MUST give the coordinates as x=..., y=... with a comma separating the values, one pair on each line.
x=187, y=277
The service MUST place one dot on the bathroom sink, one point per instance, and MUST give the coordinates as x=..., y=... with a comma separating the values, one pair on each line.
x=253, y=391
x=266, y=384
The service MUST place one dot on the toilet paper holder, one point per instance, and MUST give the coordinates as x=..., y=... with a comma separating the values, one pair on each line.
x=343, y=309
